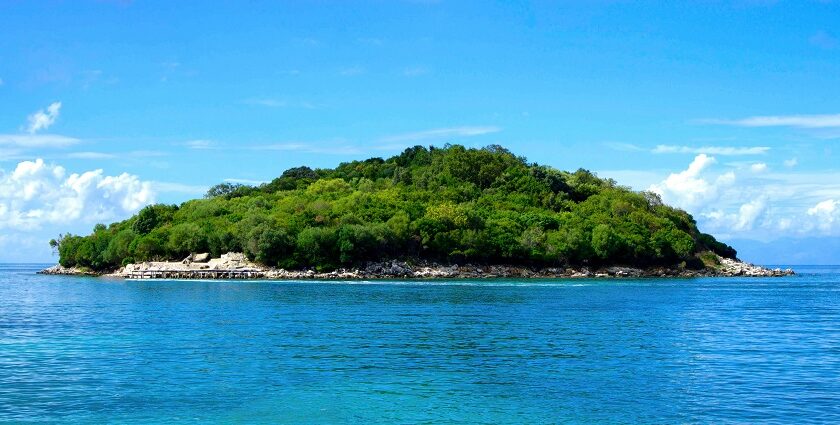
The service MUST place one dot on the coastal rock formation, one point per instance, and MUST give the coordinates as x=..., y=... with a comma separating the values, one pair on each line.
x=58, y=269
x=729, y=267
x=236, y=265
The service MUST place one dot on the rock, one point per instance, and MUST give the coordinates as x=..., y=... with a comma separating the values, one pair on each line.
x=239, y=265
x=201, y=258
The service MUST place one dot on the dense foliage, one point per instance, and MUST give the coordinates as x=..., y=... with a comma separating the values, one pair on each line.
x=449, y=204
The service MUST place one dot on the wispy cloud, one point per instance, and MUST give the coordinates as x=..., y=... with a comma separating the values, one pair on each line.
x=711, y=150
x=44, y=118
x=37, y=140
x=114, y=155
x=270, y=103
x=10, y=154
x=442, y=133
x=201, y=144
x=625, y=147
x=319, y=148
x=801, y=121
x=90, y=155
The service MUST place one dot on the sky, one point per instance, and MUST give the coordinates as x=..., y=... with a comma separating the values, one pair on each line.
x=727, y=109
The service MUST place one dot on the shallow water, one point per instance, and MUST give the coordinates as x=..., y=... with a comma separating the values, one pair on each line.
x=502, y=351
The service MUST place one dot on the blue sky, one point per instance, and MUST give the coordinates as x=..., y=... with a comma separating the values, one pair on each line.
x=728, y=109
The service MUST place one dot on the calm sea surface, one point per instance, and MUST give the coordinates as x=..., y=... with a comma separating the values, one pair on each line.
x=87, y=350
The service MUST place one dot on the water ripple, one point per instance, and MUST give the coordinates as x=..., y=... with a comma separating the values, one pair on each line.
x=497, y=351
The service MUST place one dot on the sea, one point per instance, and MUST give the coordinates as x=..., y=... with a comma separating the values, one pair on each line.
x=612, y=351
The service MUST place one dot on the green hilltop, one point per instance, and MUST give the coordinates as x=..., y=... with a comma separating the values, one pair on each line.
x=450, y=204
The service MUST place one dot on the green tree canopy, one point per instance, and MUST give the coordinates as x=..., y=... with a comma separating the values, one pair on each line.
x=444, y=204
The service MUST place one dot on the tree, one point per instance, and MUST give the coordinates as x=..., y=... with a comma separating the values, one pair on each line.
x=186, y=238
x=452, y=203
x=270, y=245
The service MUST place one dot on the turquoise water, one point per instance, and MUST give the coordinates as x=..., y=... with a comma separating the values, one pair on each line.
x=504, y=351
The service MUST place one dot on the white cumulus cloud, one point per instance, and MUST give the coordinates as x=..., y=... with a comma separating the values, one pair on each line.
x=36, y=194
x=826, y=215
x=43, y=119
x=753, y=201
x=716, y=199
x=688, y=189
x=743, y=219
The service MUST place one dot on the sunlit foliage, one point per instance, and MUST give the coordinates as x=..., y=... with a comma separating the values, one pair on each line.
x=450, y=204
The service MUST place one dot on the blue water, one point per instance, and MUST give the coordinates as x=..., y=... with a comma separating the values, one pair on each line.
x=85, y=350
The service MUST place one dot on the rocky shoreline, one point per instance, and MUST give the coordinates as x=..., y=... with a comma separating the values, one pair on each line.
x=236, y=266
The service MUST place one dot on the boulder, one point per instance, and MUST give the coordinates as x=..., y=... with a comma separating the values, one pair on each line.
x=201, y=258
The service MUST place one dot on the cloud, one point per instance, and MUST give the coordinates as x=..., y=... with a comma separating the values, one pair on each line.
x=37, y=194
x=624, y=147
x=716, y=200
x=37, y=140
x=270, y=103
x=744, y=219
x=115, y=155
x=826, y=215
x=755, y=203
x=711, y=150
x=758, y=167
x=43, y=119
x=442, y=133
x=688, y=189
x=10, y=154
x=201, y=144
x=320, y=148
x=90, y=155
x=800, y=121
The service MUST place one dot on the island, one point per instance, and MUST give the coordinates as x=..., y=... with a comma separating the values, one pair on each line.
x=429, y=212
